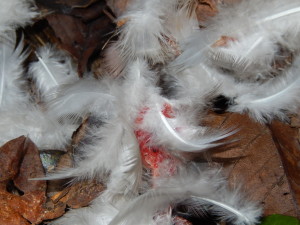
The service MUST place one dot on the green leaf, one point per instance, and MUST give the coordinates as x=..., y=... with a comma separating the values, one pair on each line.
x=280, y=220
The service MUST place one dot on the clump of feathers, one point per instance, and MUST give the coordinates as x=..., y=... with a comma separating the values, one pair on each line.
x=16, y=13
x=164, y=73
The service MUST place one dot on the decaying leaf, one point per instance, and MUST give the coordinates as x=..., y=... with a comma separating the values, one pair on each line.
x=257, y=164
x=287, y=142
x=206, y=9
x=118, y=6
x=79, y=194
x=23, y=201
x=83, y=32
x=64, y=5
x=264, y=158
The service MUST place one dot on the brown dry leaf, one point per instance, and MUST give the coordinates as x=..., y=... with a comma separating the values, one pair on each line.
x=287, y=142
x=79, y=194
x=295, y=122
x=257, y=164
x=23, y=201
x=63, y=5
x=83, y=32
x=206, y=9
x=118, y=6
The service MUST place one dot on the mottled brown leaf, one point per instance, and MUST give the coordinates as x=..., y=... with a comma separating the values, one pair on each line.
x=258, y=165
x=206, y=9
x=10, y=155
x=63, y=6
x=74, y=3
x=287, y=142
x=118, y=6
x=295, y=121
x=83, y=32
x=82, y=193
x=23, y=200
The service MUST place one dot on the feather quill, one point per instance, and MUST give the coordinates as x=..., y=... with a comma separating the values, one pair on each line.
x=118, y=105
x=82, y=97
x=103, y=153
x=238, y=58
x=162, y=131
x=272, y=99
x=19, y=116
x=261, y=29
x=11, y=71
x=206, y=186
x=178, y=134
x=137, y=38
x=53, y=68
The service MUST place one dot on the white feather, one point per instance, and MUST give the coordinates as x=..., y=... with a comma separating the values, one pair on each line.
x=272, y=99
x=250, y=58
x=144, y=34
x=118, y=103
x=180, y=23
x=121, y=157
x=188, y=138
x=136, y=91
x=206, y=185
x=113, y=61
x=229, y=207
x=45, y=132
x=16, y=13
x=196, y=85
x=97, y=214
x=272, y=22
x=97, y=158
x=19, y=116
x=180, y=133
x=126, y=177
x=80, y=98
x=11, y=72
x=53, y=68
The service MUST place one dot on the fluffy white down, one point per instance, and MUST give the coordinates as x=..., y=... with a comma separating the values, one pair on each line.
x=53, y=69
x=254, y=31
x=12, y=83
x=16, y=13
x=200, y=191
x=157, y=38
x=45, y=132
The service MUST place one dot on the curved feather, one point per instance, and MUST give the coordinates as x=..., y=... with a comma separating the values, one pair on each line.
x=100, y=156
x=126, y=178
x=82, y=97
x=177, y=142
x=272, y=99
x=43, y=130
x=210, y=188
x=16, y=13
x=246, y=22
x=137, y=38
x=52, y=69
x=11, y=72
